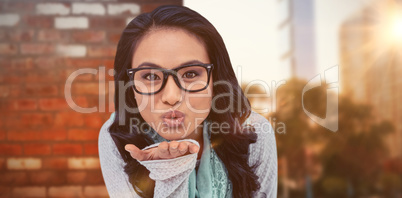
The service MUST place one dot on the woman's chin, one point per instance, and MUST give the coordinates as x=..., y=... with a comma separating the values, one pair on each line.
x=173, y=134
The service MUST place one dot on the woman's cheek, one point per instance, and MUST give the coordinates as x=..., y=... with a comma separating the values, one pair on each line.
x=199, y=105
x=142, y=102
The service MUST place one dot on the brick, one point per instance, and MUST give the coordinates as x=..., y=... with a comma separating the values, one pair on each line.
x=2, y=35
x=10, y=149
x=149, y=7
x=71, y=22
x=84, y=163
x=72, y=50
x=19, y=6
x=102, y=22
x=53, y=104
x=4, y=91
x=39, y=21
x=123, y=8
x=76, y=177
x=85, y=77
x=53, y=134
x=37, y=48
x=94, y=177
x=76, y=103
x=85, y=88
x=32, y=191
x=52, y=9
x=80, y=102
x=94, y=121
x=24, y=163
x=57, y=163
x=37, y=149
x=66, y=191
x=21, y=35
x=17, y=64
x=41, y=90
x=69, y=119
x=14, y=178
x=114, y=37
x=101, y=51
x=46, y=177
x=3, y=134
x=89, y=36
x=36, y=119
x=83, y=134
x=51, y=35
x=95, y=191
x=91, y=149
x=9, y=19
x=67, y=149
x=8, y=49
x=11, y=79
x=84, y=62
x=2, y=164
x=44, y=76
x=93, y=102
x=5, y=191
x=109, y=76
x=46, y=62
x=24, y=135
x=89, y=8
x=24, y=104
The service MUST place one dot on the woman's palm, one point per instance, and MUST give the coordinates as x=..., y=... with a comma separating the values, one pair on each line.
x=165, y=150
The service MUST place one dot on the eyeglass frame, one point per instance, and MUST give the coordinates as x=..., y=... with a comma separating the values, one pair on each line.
x=167, y=72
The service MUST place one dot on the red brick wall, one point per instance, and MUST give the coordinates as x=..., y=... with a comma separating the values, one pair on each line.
x=47, y=149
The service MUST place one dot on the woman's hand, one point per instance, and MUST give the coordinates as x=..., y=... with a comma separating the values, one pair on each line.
x=165, y=150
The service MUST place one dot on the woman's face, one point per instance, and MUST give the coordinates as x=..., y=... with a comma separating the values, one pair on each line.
x=168, y=49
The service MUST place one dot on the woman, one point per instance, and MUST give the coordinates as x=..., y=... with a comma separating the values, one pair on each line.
x=182, y=126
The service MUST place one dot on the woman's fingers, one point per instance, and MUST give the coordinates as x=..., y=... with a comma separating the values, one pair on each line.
x=173, y=148
x=183, y=147
x=193, y=148
x=135, y=152
x=165, y=150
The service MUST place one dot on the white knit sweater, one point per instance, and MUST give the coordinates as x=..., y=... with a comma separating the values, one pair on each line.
x=117, y=184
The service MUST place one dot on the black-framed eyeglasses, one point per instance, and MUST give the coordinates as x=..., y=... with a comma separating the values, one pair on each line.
x=151, y=80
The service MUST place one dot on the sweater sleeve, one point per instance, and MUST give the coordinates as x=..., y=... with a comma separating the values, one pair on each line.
x=112, y=166
x=264, y=152
x=170, y=175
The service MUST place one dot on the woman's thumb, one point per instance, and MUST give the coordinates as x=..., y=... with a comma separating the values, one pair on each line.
x=135, y=152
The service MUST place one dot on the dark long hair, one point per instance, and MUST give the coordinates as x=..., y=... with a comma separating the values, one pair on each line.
x=232, y=147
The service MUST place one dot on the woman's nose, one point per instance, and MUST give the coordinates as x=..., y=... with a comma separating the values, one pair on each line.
x=171, y=94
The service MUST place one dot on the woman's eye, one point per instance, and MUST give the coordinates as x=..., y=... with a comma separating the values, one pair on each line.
x=190, y=75
x=151, y=77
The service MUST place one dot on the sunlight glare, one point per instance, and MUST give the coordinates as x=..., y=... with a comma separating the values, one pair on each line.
x=396, y=27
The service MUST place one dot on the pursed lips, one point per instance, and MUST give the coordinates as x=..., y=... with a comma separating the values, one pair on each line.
x=173, y=118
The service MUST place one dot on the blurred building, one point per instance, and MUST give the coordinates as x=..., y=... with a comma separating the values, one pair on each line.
x=296, y=43
x=371, y=63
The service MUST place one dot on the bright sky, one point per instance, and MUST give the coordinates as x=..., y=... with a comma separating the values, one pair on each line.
x=329, y=17
x=250, y=32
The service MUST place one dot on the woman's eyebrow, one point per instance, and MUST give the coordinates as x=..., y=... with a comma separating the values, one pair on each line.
x=149, y=64
x=191, y=62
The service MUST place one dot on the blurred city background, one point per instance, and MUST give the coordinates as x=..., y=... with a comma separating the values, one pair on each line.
x=324, y=73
